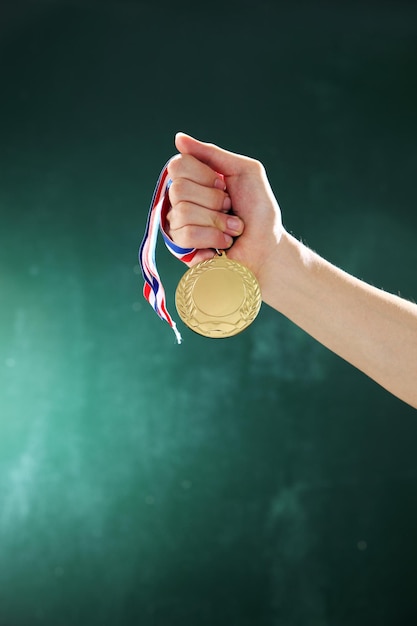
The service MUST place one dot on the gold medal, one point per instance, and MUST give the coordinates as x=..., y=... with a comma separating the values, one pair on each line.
x=218, y=298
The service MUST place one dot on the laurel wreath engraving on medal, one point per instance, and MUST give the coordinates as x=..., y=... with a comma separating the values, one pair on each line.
x=213, y=321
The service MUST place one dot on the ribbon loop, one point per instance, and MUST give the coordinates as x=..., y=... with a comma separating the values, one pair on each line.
x=153, y=290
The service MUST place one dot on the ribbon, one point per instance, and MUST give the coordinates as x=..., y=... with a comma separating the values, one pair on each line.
x=153, y=290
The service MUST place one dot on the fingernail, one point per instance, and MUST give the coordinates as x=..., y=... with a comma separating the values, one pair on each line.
x=234, y=224
x=228, y=241
x=219, y=184
x=227, y=203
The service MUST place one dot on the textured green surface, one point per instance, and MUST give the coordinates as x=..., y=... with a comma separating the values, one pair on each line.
x=258, y=480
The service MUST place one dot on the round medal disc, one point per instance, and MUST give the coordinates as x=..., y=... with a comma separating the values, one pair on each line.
x=218, y=298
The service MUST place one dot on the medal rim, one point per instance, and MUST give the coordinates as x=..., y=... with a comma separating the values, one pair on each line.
x=186, y=310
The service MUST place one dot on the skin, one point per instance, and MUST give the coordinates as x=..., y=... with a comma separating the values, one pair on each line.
x=373, y=330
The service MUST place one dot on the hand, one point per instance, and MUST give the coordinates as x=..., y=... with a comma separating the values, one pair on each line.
x=373, y=330
x=207, y=182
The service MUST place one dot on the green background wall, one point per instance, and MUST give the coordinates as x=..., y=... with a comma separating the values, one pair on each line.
x=258, y=480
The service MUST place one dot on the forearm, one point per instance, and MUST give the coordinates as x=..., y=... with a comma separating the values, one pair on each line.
x=373, y=330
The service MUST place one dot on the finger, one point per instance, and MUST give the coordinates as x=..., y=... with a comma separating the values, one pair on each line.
x=202, y=255
x=184, y=190
x=201, y=237
x=220, y=160
x=189, y=214
x=187, y=166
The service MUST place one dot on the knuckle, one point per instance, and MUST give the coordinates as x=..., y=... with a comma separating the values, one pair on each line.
x=182, y=210
x=172, y=192
x=181, y=186
x=178, y=166
x=186, y=236
x=256, y=167
x=177, y=190
x=175, y=166
x=177, y=216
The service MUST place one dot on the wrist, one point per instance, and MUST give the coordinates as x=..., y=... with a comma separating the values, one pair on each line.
x=285, y=273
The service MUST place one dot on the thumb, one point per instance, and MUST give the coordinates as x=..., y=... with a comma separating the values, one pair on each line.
x=220, y=160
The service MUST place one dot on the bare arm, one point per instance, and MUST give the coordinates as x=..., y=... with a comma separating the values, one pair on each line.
x=373, y=330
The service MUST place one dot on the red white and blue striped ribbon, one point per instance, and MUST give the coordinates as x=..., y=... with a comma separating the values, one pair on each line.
x=153, y=290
